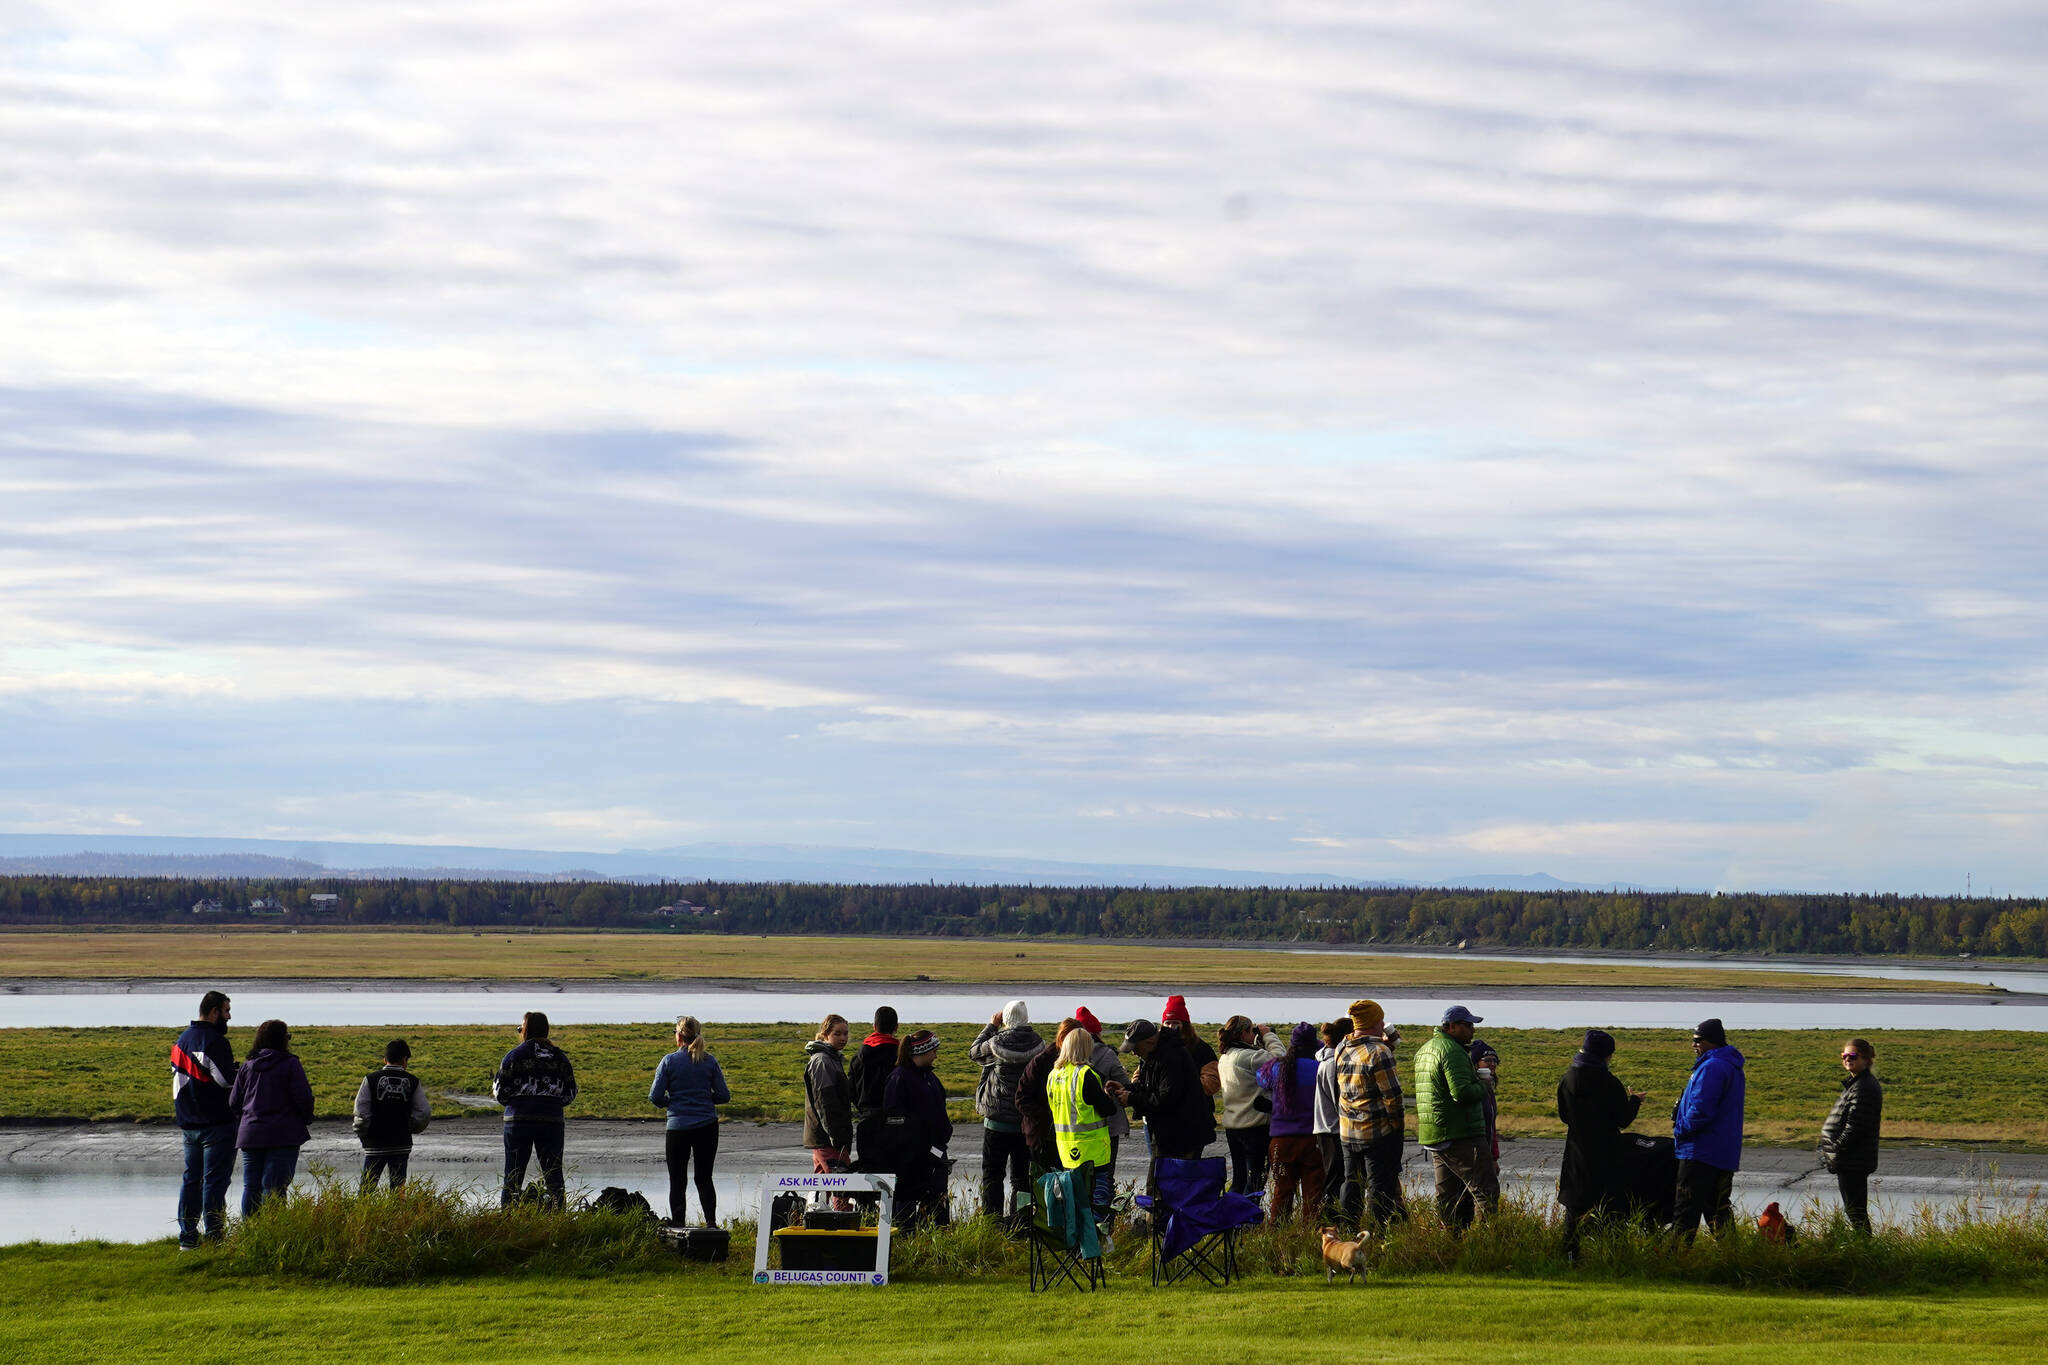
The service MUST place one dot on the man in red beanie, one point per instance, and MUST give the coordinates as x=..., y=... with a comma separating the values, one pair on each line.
x=1109, y=1067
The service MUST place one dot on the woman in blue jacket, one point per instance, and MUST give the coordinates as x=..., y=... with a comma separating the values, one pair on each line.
x=687, y=1084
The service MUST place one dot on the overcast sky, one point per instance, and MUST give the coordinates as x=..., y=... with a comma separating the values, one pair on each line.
x=1392, y=440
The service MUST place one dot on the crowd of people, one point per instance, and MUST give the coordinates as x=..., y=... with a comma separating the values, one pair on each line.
x=1320, y=1116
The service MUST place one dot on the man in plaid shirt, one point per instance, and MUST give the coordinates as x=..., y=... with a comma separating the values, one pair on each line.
x=1371, y=1115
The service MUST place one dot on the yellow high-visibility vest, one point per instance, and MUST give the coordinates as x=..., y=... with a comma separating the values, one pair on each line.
x=1080, y=1133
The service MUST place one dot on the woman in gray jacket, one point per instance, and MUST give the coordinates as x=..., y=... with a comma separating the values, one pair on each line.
x=828, y=1098
x=1848, y=1139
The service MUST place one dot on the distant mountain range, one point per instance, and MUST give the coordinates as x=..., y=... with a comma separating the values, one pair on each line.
x=133, y=855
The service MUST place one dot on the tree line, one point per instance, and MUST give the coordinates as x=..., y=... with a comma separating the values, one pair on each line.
x=1672, y=921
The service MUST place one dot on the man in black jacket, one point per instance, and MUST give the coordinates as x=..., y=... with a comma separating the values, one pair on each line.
x=534, y=1082
x=1848, y=1139
x=1167, y=1093
x=866, y=1075
x=1594, y=1108
x=202, y=1074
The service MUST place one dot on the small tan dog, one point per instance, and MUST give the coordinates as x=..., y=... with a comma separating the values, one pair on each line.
x=1348, y=1257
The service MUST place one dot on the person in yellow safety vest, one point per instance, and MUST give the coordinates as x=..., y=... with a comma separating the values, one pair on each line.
x=1080, y=1112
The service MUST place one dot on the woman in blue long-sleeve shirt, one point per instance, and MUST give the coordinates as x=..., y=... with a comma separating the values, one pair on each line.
x=687, y=1084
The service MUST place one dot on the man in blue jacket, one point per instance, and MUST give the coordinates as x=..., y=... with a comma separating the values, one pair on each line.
x=202, y=1073
x=1707, y=1128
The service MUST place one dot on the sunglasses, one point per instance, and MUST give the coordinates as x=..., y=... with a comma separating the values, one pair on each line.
x=1851, y=1056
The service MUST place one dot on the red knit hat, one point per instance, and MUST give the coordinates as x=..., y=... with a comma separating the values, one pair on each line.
x=1089, y=1021
x=1176, y=1011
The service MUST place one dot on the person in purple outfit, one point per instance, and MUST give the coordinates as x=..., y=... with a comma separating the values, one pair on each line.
x=272, y=1102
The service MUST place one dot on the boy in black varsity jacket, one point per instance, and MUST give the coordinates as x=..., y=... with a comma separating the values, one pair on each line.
x=391, y=1105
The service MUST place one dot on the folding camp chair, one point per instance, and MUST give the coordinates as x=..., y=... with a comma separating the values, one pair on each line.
x=1062, y=1238
x=1195, y=1222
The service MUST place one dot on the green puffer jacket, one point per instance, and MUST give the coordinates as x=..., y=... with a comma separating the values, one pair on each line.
x=1450, y=1100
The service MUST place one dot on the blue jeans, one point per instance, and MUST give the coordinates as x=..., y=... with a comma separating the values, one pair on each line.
x=266, y=1171
x=209, y=1166
x=525, y=1138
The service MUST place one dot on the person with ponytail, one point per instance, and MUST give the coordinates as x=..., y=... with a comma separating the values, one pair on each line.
x=688, y=1083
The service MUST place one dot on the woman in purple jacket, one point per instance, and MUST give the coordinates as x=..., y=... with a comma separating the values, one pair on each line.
x=272, y=1102
x=1296, y=1160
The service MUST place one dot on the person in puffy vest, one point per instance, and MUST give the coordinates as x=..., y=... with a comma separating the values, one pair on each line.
x=1848, y=1140
x=391, y=1106
x=1006, y=1043
x=1081, y=1106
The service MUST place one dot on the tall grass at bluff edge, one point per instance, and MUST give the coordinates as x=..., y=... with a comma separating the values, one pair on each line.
x=426, y=1232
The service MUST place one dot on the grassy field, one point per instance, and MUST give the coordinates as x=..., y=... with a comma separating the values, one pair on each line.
x=388, y=955
x=147, y=1304
x=1942, y=1086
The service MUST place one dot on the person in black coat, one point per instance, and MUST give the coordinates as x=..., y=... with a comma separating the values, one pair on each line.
x=1167, y=1093
x=1848, y=1139
x=1595, y=1108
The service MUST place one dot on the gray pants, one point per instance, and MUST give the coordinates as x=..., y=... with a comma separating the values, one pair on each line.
x=1465, y=1165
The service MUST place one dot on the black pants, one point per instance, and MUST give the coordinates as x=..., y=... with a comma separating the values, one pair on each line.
x=525, y=1138
x=1703, y=1192
x=1248, y=1156
x=684, y=1144
x=1002, y=1153
x=1855, y=1188
x=1331, y=1149
x=1374, y=1165
x=377, y=1163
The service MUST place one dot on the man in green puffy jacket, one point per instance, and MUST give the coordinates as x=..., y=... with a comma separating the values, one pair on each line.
x=1450, y=1115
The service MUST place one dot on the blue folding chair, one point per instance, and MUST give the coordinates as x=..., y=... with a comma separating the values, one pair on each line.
x=1195, y=1221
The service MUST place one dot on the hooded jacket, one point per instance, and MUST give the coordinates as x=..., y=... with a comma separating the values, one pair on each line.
x=272, y=1101
x=1168, y=1095
x=1594, y=1107
x=1002, y=1053
x=868, y=1073
x=1326, y=1090
x=1848, y=1139
x=828, y=1098
x=202, y=1072
x=1294, y=1114
x=1706, y=1125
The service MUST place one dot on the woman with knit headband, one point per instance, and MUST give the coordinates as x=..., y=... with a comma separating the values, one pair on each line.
x=915, y=1091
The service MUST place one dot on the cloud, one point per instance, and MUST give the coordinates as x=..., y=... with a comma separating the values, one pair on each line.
x=1402, y=422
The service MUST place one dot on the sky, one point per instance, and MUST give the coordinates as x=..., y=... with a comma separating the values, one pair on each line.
x=1394, y=441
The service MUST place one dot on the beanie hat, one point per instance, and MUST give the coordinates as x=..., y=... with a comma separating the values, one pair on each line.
x=1711, y=1033
x=1176, y=1011
x=1014, y=1014
x=1599, y=1043
x=1089, y=1021
x=1366, y=1014
x=1303, y=1038
x=923, y=1041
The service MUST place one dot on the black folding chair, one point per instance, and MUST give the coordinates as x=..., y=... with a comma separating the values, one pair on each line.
x=1056, y=1255
x=1195, y=1222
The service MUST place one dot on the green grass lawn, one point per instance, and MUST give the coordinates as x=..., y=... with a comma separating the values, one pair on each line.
x=1941, y=1086
x=472, y=956
x=94, y=1302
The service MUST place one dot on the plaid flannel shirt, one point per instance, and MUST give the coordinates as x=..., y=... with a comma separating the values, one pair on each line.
x=1369, y=1103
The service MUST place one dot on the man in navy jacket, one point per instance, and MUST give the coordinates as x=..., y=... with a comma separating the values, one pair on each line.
x=534, y=1082
x=202, y=1073
x=1707, y=1128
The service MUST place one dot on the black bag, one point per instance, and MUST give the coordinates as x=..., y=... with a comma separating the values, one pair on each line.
x=1263, y=1102
x=1650, y=1177
x=614, y=1199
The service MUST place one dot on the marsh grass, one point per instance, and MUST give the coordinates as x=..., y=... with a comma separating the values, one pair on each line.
x=425, y=1231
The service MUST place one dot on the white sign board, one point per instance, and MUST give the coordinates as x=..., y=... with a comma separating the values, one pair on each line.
x=811, y=1185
